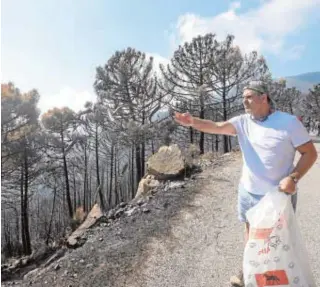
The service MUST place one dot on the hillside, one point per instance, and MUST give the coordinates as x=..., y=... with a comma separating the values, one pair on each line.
x=303, y=82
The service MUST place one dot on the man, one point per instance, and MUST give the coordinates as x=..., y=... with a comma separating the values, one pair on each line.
x=268, y=140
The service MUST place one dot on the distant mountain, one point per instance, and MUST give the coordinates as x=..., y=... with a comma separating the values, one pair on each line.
x=303, y=82
x=308, y=77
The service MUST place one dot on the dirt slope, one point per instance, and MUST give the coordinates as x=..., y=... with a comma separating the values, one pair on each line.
x=190, y=237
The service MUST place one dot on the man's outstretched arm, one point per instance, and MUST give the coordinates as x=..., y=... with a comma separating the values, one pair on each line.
x=206, y=126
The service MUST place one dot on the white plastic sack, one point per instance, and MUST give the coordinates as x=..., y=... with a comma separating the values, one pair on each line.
x=275, y=254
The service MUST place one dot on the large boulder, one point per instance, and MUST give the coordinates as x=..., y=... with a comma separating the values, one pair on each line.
x=167, y=163
x=75, y=239
x=192, y=154
x=146, y=185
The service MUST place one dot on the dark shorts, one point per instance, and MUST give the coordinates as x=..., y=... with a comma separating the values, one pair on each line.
x=247, y=200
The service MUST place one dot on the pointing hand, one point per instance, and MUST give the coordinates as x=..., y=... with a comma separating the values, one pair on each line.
x=183, y=119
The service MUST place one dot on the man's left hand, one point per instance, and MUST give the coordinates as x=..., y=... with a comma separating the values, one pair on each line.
x=287, y=185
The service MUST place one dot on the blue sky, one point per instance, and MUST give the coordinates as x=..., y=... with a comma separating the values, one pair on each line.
x=55, y=46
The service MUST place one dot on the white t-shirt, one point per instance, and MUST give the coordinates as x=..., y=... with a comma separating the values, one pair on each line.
x=268, y=149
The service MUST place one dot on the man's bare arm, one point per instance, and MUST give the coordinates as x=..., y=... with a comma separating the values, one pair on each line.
x=308, y=157
x=207, y=126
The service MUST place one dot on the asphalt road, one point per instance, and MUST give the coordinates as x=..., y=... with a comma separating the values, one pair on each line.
x=206, y=244
x=308, y=214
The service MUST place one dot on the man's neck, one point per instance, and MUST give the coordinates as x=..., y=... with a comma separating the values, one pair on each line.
x=263, y=115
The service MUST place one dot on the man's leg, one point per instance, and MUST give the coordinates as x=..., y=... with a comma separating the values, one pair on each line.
x=237, y=280
x=247, y=230
x=246, y=201
x=244, y=204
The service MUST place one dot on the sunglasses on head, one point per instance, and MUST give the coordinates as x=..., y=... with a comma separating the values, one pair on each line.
x=255, y=89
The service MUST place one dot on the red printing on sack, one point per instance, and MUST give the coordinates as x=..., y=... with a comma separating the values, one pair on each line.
x=272, y=278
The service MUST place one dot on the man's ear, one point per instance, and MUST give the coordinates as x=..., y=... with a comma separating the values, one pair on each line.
x=265, y=98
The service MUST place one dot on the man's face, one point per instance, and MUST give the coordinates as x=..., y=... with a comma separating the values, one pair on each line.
x=253, y=102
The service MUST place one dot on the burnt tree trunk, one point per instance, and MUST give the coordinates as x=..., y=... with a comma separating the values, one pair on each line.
x=111, y=177
x=51, y=216
x=24, y=207
x=138, y=164
x=66, y=175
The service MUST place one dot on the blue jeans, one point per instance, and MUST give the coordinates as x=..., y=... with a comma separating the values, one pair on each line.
x=247, y=200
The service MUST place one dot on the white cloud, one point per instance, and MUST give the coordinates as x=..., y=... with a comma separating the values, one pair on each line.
x=263, y=29
x=67, y=97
